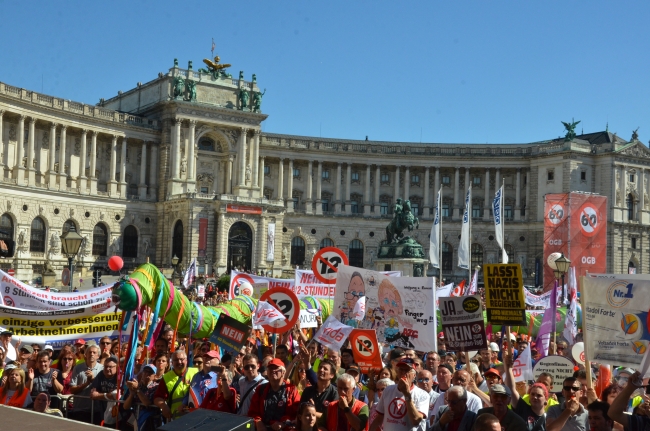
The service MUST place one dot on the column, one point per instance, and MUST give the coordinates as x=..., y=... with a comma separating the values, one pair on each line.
x=528, y=206
x=93, y=163
x=82, y=181
x=377, y=190
x=242, y=157
x=142, y=187
x=221, y=254
x=407, y=183
x=319, y=185
x=518, y=196
x=640, y=191
x=337, y=190
x=426, y=212
x=457, y=202
x=51, y=173
x=467, y=184
x=396, y=193
x=488, y=201
x=176, y=150
x=19, y=170
x=31, y=172
x=153, y=171
x=310, y=185
x=251, y=157
x=3, y=151
x=123, y=169
x=497, y=182
x=289, y=199
x=257, y=177
x=216, y=183
x=229, y=175
x=191, y=162
x=348, y=185
x=112, y=184
x=366, y=194
x=280, y=191
x=63, y=177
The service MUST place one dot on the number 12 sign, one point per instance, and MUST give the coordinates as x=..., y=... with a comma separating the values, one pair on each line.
x=365, y=349
x=326, y=264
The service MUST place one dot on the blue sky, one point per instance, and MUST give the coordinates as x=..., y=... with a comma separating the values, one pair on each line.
x=453, y=72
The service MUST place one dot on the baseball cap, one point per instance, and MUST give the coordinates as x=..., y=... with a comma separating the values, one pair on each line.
x=354, y=368
x=48, y=347
x=406, y=362
x=494, y=347
x=441, y=334
x=7, y=333
x=10, y=367
x=492, y=371
x=151, y=367
x=212, y=354
x=91, y=343
x=276, y=363
x=629, y=371
x=396, y=353
x=81, y=341
x=27, y=347
x=500, y=389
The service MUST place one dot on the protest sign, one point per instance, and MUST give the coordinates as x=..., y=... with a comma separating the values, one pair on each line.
x=230, y=334
x=521, y=367
x=504, y=296
x=399, y=308
x=543, y=300
x=365, y=349
x=333, y=333
x=200, y=291
x=266, y=314
x=578, y=352
x=462, y=322
x=238, y=279
x=306, y=284
x=308, y=317
x=17, y=294
x=557, y=366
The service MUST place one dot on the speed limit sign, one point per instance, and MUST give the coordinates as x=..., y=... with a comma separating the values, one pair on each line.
x=326, y=263
x=589, y=220
x=556, y=214
x=287, y=302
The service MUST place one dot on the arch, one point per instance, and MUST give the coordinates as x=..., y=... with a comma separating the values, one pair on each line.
x=177, y=240
x=216, y=135
x=631, y=267
x=37, y=235
x=629, y=203
x=355, y=253
x=69, y=223
x=130, y=242
x=476, y=255
x=297, y=251
x=240, y=246
x=100, y=240
x=326, y=242
x=447, y=256
x=7, y=245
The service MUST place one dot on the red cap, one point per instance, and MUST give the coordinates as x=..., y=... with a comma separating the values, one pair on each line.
x=212, y=354
x=81, y=341
x=276, y=363
x=441, y=334
x=492, y=371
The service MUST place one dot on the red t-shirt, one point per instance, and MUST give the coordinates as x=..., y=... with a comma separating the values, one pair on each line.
x=214, y=400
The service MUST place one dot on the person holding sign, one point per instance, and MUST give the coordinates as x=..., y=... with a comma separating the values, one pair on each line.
x=570, y=415
x=531, y=409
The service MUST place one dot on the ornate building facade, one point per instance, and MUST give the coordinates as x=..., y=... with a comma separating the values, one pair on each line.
x=178, y=166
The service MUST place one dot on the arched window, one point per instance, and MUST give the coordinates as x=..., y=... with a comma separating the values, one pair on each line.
x=206, y=144
x=631, y=268
x=510, y=251
x=297, y=251
x=37, y=236
x=6, y=236
x=630, y=206
x=130, y=242
x=477, y=255
x=100, y=240
x=355, y=253
x=447, y=256
x=177, y=241
x=69, y=225
x=326, y=242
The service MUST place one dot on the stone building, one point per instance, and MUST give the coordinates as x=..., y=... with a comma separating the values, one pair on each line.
x=178, y=166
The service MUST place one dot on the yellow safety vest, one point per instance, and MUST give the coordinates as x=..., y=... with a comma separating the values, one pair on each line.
x=181, y=390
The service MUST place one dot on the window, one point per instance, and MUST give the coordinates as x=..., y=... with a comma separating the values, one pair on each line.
x=631, y=178
x=525, y=179
x=326, y=242
x=477, y=255
x=630, y=206
x=415, y=179
x=325, y=205
x=445, y=209
x=177, y=241
x=633, y=243
x=326, y=174
x=206, y=144
x=296, y=172
x=476, y=181
x=355, y=176
x=355, y=253
x=354, y=207
x=631, y=268
x=100, y=240
x=508, y=212
x=297, y=251
x=550, y=175
x=583, y=175
x=37, y=236
x=267, y=170
x=296, y=202
x=383, y=208
x=415, y=208
x=67, y=226
x=447, y=256
x=385, y=178
x=130, y=242
x=446, y=179
x=477, y=210
x=204, y=190
x=6, y=236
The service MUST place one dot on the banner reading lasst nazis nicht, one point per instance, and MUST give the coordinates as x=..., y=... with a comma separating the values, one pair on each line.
x=504, y=294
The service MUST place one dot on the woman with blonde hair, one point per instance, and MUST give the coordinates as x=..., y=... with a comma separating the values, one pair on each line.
x=14, y=393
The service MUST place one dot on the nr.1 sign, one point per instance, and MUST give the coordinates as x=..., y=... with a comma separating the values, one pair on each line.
x=504, y=294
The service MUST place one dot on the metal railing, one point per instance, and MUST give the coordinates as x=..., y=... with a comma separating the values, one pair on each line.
x=69, y=399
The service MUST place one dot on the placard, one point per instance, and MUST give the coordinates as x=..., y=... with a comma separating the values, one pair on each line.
x=462, y=322
x=326, y=263
x=504, y=294
x=287, y=302
x=230, y=333
x=239, y=279
x=557, y=366
x=578, y=352
x=365, y=349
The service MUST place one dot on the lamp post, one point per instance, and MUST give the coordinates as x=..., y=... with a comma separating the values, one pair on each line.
x=562, y=264
x=175, y=262
x=70, y=244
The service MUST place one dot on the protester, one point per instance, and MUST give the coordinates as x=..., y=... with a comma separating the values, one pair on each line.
x=570, y=415
x=347, y=412
x=509, y=420
x=487, y=422
x=275, y=401
x=323, y=392
x=42, y=405
x=104, y=391
x=203, y=381
x=306, y=420
x=599, y=419
x=65, y=372
x=248, y=383
x=431, y=364
x=455, y=416
x=142, y=392
x=5, y=343
x=223, y=398
x=81, y=382
x=531, y=408
x=14, y=393
x=425, y=382
x=175, y=386
x=380, y=386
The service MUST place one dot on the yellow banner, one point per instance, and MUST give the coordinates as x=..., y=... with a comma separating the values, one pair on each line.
x=504, y=294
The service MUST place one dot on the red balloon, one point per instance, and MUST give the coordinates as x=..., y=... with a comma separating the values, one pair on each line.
x=115, y=263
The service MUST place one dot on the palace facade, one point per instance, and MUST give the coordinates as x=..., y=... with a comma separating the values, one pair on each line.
x=178, y=166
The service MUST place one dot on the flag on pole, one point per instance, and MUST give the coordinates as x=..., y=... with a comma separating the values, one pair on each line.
x=522, y=367
x=547, y=328
x=464, y=247
x=459, y=290
x=497, y=210
x=473, y=285
x=571, y=320
x=213, y=46
x=359, y=311
x=434, y=238
x=333, y=333
x=190, y=274
x=266, y=314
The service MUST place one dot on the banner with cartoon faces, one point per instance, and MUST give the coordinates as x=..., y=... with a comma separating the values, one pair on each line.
x=400, y=309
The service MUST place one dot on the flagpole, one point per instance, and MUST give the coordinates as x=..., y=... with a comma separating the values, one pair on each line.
x=440, y=233
x=503, y=222
x=469, y=221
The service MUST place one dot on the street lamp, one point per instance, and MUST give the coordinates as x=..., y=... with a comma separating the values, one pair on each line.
x=70, y=244
x=175, y=262
x=562, y=264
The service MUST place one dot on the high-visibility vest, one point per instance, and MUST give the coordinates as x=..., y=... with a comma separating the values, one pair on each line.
x=333, y=412
x=17, y=400
x=170, y=378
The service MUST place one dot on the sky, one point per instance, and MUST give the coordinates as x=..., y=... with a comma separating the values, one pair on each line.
x=428, y=71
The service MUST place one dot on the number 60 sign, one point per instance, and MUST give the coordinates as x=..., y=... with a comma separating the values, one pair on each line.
x=326, y=264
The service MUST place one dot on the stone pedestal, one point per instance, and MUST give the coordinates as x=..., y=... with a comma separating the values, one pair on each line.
x=404, y=255
x=408, y=266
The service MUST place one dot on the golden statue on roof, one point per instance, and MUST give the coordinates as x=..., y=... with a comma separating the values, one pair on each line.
x=214, y=66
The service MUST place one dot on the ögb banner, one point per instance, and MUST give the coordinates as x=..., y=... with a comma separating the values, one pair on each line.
x=504, y=294
x=17, y=294
x=462, y=322
x=616, y=320
x=365, y=349
x=556, y=232
x=400, y=309
x=241, y=279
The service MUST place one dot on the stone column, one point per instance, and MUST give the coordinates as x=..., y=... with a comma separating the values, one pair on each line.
x=258, y=180
x=527, y=208
x=280, y=192
x=63, y=177
x=640, y=191
x=437, y=186
x=377, y=204
x=348, y=185
x=488, y=201
x=51, y=173
x=251, y=158
x=93, y=163
x=229, y=175
x=497, y=182
x=518, y=196
x=112, y=183
x=337, y=189
x=457, y=202
x=153, y=172
x=407, y=183
x=19, y=170
x=123, y=169
x=319, y=185
x=259, y=176
x=142, y=186
x=289, y=199
x=3, y=151
x=83, y=179
x=221, y=239
x=366, y=194
x=310, y=185
x=396, y=193
x=176, y=150
x=31, y=172
x=426, y=210
x=191, y=162
x=242, y=157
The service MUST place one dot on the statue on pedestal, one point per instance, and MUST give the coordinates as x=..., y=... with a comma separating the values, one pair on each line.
x=179, y=87
x=243, y=97
x=570, y=130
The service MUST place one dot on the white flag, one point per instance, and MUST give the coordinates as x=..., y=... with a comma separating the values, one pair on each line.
x=333, y=333
x=473, y=287
x=571, y=321
x=190, y=274
x=522, y=368
x=464, y=247
x=359, y=311
x=266, y=314
x=497, y=210
x=434, y=238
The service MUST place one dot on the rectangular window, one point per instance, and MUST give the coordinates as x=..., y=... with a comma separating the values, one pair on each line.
x=583, y=175
x=267, y=170
x=296, y=172
x=508, y=213
x=415, y=179
x=415, y=209
x=383, y=208
x=476, y=181
x=446, y=179
x=476, y=211
x=385, y=178
x=633, y=242
x=355, y=176
x=354, y=207
x=525, y=179
x=295, y=203
x=326, y=175
x=204, y=190
x=445, y=210
x=325, y=204
x=631, y=178
x=550, y=175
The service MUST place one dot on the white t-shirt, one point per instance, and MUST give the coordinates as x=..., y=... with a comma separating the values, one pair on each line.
x=393, y=406
x=474, y=403
x=433, y=397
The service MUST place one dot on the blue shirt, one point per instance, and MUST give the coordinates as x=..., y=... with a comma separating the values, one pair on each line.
x=199, y=386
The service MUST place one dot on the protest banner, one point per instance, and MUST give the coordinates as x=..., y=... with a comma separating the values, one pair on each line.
x=543, y=300
x=333, y=333
x=308, y=317
x=237, y=279
x=17, y=294
x=504, y=294
x=200, y=291
x=521, y=367
x=229, y=333
x=266, y=314
x=365, y=349
x=306, y=284
x=399, y=308
x=462, y=322
x=557, y=366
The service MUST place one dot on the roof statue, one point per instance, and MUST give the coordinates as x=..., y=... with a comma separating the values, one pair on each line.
x=570, y=130
x=214, y=67
x=635, y=134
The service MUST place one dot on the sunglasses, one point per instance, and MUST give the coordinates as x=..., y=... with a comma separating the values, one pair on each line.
x=105, y=343
x=67, y=359
x=424, y=380
x=571, y=388
x=250, y=367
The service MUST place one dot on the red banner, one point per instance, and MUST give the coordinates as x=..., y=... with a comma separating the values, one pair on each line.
x=203, y=236
x=556, y=232
x=245, y=209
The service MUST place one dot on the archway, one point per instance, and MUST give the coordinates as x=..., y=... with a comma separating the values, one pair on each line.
x=177, y=241
x=130, y=242
x=240, y=246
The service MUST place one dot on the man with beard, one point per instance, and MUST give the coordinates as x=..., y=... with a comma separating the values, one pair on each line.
x=274, y=402
x=175, y=385
x=104, y=390
x=323, y=392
